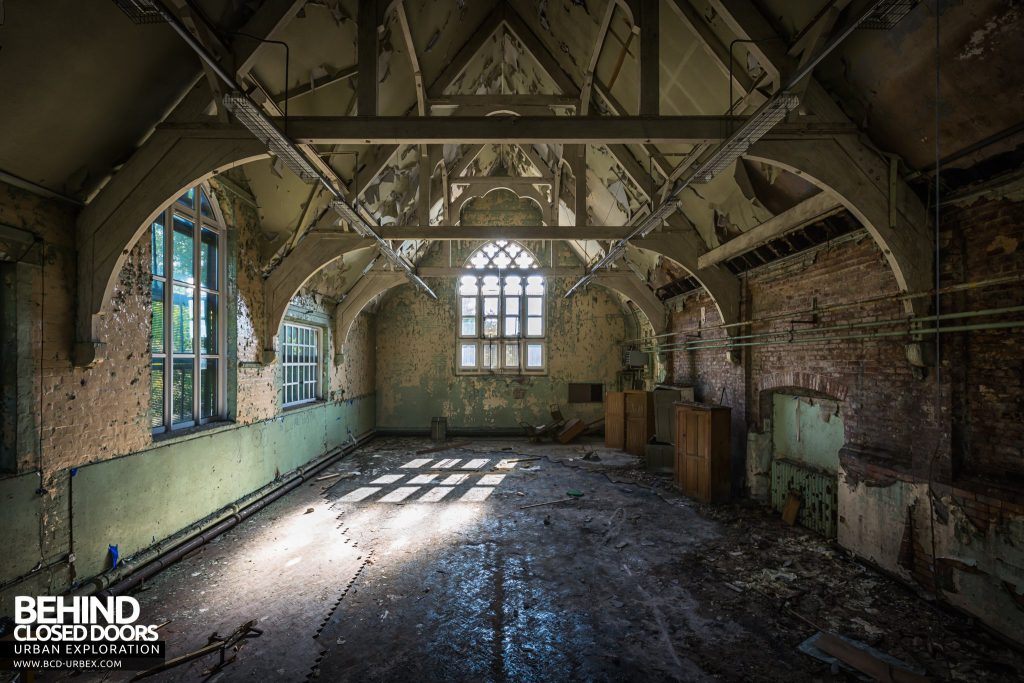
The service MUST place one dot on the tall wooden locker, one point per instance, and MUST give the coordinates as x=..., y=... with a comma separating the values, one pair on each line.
x=639, y=420
x=615, y=419
x=703, y=451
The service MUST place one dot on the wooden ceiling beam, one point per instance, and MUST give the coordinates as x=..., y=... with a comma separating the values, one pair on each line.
x=817, y=208
x=507, y=232
x=590, y=130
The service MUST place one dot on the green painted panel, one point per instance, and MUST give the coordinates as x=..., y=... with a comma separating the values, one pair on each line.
x=139, y=499
x=807, y=431
x=19, y=529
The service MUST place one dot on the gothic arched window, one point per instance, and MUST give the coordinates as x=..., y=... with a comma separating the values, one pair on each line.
x=501, y=323
x=187, y=342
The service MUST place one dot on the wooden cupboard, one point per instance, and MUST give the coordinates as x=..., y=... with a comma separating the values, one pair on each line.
x=615, y=419
x=639, y=420
x=703, y=451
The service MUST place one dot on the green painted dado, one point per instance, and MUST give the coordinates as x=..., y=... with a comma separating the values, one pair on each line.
x=416, y=347
x=807, y=431
x=136, y=500
x=19, y=530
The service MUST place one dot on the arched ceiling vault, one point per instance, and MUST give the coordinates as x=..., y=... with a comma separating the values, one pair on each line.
x=427, y=62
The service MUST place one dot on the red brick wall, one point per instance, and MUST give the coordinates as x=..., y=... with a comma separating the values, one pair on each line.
x=886, y=410
x=973, y=426
x=985, y=240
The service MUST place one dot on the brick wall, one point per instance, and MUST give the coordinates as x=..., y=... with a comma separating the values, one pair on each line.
x=930, y=476
x=985, y=240
x=973, y=424
x=888, y=412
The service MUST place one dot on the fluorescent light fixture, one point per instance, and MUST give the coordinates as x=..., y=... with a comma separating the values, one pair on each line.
x=257, y=123
x=735, y=146
x=752, y=130
x=285, y=152
x=362, y=227
x=139, y=11
x=887, y=14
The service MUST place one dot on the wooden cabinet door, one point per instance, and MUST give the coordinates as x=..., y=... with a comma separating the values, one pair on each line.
x=702, y=452
x=637, y=419
x=615, y=420
x=680, y=436
x=636, y=435
x=636, y=404
x=692, y=454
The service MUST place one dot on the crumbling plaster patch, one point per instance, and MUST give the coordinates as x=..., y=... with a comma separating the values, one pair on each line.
x=416, y=345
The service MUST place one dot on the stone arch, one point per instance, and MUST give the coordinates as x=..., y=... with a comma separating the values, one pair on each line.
x=813, y=384
x=630, y=286
x=722, y=286
x=371, y=285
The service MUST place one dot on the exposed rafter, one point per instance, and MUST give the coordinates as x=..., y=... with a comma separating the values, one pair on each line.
x=591, y=130
x=650, y=57
x=366, y=43
x=511, y=232
x=588, y=76
x=712, y=44
x=317, y=83
x=818, y=207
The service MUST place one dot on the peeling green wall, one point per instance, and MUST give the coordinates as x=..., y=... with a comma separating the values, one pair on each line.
x=19, y=530
x=135, y=500
x=138, y=499
x=983, y=563
x=807, y=430
x=416, y=345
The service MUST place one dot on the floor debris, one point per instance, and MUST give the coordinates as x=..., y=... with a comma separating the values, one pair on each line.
x=837, y=650
x=217, y=643
x=444, y=447
x=631, y=581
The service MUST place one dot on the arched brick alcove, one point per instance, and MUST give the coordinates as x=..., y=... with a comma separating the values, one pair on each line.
x=804, y=383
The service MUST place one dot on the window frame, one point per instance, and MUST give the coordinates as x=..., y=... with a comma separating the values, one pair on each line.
x=500, y=344
x=320, y=337
x=200, y=223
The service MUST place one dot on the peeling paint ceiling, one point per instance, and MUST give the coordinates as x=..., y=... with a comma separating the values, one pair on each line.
x=60, y=59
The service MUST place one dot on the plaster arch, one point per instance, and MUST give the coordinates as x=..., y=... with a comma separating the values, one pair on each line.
x=164, y=167
x=894, y=216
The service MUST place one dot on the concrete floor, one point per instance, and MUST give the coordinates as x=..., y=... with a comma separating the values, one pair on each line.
x=431, y=567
